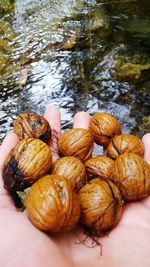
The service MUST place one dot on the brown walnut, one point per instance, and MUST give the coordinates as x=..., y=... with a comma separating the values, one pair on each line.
x=125, y=143
x=76, y=142
x=32, y=125
x=101, y=205
x=104, y=127
x=51, y=204
x=72, y=169
x=132, y=175
x=99, y=166
x=27, y=162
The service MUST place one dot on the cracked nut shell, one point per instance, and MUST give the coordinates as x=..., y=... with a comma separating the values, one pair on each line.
x=72, y=169
x=101, y=205
x=104, y=127
x=76, y=142
x=32, y=125
x=125, y=143
x=27, y=161
x=52, y=206
x=99, y=166
x=132, y=175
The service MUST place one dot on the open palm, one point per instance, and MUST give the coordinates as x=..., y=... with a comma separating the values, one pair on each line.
x=24, y=245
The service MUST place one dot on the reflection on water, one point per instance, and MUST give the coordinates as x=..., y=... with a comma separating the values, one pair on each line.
x=65, y=53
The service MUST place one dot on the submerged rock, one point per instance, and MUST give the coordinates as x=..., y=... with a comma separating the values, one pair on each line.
x=6, y=6
x=145, y=125
x=129, y=71
x=98, y=21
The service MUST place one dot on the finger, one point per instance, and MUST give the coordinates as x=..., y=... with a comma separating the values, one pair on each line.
x=53, y=116
x=81, y=120
x=146, y=142
x=8, y=143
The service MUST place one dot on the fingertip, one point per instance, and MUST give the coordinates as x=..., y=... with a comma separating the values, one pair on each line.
x=81, y=120
x=53, y=115
x=52, y=108
x=9, y=141
x=146, y=138
x=146, y=142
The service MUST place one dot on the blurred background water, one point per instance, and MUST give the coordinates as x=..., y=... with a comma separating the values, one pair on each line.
x=77, y=55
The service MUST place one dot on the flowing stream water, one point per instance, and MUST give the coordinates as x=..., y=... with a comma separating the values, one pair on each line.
x=77, y=55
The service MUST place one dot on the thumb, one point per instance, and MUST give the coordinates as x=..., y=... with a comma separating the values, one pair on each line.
x=146, y=142
x=8, y=143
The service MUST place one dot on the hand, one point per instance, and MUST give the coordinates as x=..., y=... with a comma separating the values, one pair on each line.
x=24, y=245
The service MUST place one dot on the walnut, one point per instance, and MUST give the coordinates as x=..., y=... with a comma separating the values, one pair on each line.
x=52, y=206
x=125, y=143
x=76, y=142
x=104, y=127
x=99, y=166
x=132, y=175
x=72, y=169
x=32, y=125
x=27, y=162
x=101, y=205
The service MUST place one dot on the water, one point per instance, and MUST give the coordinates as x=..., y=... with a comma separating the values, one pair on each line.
x=65, y=53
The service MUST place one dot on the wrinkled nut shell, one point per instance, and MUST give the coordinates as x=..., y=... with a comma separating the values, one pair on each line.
x=32, y=125
x=72, y=169
x=76, y=142
x=27, y=161
x=99, y=166
x=132, y=175
x=125, y=143
x=101, y=205
x=103, y=127
x=52, y=206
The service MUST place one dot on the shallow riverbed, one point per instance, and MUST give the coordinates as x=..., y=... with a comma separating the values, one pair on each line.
x=78, y=55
